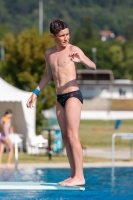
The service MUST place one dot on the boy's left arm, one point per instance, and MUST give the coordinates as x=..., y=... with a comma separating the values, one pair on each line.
x=78, y=56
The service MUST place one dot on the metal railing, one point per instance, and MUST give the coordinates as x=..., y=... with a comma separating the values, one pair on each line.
x=124, y=136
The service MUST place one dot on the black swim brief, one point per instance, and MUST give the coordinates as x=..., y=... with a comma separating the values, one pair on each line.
x=62, y=98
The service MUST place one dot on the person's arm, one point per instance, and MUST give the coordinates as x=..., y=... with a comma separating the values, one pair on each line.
x=44, y=80
x=5, y=128
x=47, y=75
x=78, y=56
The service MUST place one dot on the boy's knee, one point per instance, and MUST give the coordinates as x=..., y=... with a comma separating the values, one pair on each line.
x=70, y=138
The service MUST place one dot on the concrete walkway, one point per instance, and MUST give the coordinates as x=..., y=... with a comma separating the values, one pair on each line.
x=121, y=153
x=66, y=165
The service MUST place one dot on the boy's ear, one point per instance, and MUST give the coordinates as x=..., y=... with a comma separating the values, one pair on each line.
x=52, y=35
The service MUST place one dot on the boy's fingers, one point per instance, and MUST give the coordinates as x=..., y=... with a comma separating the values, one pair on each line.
x=29, y=103
x=73, y=53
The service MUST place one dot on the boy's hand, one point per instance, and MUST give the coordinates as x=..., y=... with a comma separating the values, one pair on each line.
x=31, y=100
x=76, y=57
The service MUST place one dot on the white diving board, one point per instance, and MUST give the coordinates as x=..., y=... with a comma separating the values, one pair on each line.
x=36, y=186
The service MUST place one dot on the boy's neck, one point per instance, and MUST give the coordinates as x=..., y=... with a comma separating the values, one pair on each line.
x=60, y=48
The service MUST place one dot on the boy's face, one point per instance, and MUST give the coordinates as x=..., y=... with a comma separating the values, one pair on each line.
x=62, y=38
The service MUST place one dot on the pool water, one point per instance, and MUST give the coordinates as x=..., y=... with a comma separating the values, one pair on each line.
x=101, y=183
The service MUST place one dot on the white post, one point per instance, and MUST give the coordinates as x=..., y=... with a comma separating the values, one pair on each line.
x=16, y=152
x=94, y=50
x=41, y=16
x=113, y=149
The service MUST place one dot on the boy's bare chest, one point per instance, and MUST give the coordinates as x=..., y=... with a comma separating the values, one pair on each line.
x=59, y=60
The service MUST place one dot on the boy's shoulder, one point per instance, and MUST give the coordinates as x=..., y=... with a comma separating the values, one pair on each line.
x=74, y=48
x=49, y=51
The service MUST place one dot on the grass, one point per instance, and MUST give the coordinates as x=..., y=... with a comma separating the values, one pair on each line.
x=41, y=158
x=98, y=133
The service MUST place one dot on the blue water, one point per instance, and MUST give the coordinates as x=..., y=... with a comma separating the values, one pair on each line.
x=101, y=183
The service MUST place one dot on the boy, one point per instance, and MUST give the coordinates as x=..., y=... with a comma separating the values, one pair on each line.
x=61, y=64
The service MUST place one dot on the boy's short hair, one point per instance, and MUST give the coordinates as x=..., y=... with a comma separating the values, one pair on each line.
x=56, y=26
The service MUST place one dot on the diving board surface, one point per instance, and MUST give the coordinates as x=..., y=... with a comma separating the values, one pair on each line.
x=36, y=186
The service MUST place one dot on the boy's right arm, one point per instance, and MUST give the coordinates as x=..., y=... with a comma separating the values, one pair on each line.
x=44, y=80
x=47, y=75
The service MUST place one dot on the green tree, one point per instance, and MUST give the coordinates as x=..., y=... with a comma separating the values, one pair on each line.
x=85, y=32
x=129, y=32
x=128, y=60
x=106, y=14
x=3, y=31
x=25, y=65
x=117, y=58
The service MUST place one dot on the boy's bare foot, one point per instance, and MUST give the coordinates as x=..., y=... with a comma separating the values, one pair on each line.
x=65, y=181
x=75, y=181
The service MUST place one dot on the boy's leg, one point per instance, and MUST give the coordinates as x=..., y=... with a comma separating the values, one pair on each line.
x=72, y=120
x=60, y=111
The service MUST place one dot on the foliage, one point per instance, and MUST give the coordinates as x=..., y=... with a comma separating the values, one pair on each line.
x=129, y=31
x=25, y=65
x=112, y=54
x=3, y=31
x=127, y=63
x=87, y=31
x=112, y=14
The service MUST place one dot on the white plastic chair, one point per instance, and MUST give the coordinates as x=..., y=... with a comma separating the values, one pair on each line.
x=19, y=140
x=34, y=143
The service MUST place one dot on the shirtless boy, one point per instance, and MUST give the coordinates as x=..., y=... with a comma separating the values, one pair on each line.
x=61, y=61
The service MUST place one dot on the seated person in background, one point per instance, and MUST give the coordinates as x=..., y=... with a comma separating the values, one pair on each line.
x=5, y=123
